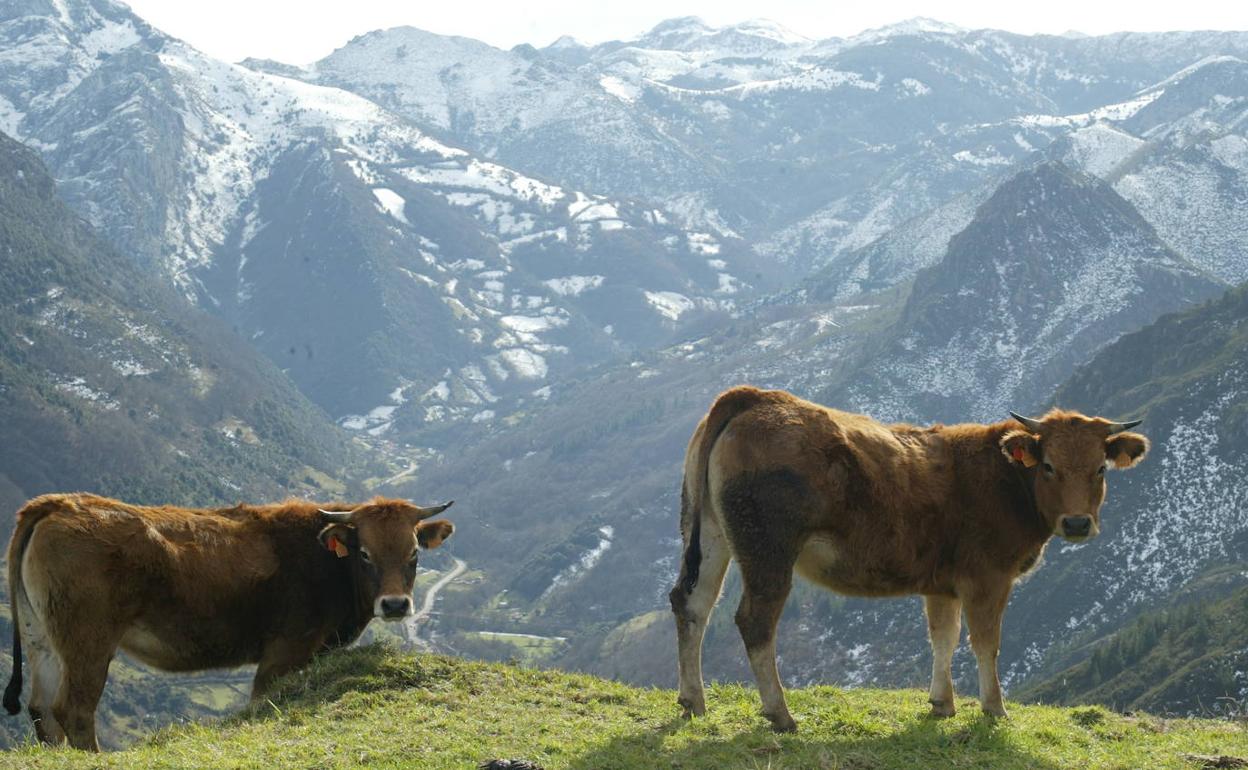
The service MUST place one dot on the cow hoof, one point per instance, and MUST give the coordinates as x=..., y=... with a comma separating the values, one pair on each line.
x=783, y=724
x=942, y=709
x=690, y=707
x=996, y=712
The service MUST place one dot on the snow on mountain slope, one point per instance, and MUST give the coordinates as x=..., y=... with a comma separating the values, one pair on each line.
x=1180, y=158
x=260, y=196
x=233, y=120
x=1206, y=95
x=919, y=25
x=1186, y=159
x=895, y=256
x=701, y=119
x=1185, y=376
x=748, y=38
x=1195, y=196
x=1093, y=268
x=447, y=80
x=111, y=383
x=47, y=55
x=1100, y=148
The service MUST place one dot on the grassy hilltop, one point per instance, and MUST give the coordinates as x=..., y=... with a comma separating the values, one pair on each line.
x=375, y=707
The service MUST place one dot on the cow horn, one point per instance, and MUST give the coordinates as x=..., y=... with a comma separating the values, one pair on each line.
x=336, y=517
x=434, y=511
x=1034, y=426
x=1119, y=427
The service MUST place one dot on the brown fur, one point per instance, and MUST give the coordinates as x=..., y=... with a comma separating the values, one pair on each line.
x=955, y=513
x=191, y=589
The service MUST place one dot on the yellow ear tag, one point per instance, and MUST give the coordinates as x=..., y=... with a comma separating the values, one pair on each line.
x=337, y=547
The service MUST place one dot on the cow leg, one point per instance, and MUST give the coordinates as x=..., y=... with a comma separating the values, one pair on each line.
x=693, y=610
x=764, y=515
x=82, y=683
x=944, y=626
x=762, y=602
x=280, y=657
x=46, y=671
x=43, y=664
x=984, y=611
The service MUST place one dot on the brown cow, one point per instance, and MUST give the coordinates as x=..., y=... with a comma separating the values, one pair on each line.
x=956, y=513
x=186, y=590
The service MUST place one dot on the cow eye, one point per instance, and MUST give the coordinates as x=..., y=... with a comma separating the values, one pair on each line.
x=366, y=556
x=1100, y=471
x=412, y=561
x=1048, y=468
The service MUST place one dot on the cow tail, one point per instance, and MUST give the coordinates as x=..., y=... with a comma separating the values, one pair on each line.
x=695, y=492
x=27, y=518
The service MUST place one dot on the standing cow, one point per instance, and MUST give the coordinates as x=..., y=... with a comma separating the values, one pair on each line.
x=186, y=590
x=956, y=513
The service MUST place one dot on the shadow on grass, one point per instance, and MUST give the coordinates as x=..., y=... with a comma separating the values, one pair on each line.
x=920, y=744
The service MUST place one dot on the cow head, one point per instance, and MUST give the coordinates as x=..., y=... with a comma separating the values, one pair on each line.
x=383, y=539
x=1065, y=455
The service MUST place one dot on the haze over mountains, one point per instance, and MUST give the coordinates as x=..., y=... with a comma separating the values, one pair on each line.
x=518, y=277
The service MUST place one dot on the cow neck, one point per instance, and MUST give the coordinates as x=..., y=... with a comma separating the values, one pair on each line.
x=1025, y=480
x=356, y=614
x=361, y=605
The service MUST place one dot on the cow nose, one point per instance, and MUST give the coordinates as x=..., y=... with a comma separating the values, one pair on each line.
x=395, y=606
x=1076, y=526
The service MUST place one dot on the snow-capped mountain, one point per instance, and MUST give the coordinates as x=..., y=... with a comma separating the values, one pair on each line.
x=313, y=219
x=1054, y=266
x=850, y=137
x=1182, y=161
x=1174, y=150
x=109, y=382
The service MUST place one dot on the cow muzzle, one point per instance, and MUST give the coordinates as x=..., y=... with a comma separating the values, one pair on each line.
x=1078, y=528
x=392, y=607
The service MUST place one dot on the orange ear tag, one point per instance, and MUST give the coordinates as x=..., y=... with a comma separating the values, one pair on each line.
x=337, y=547
x=1022, y=456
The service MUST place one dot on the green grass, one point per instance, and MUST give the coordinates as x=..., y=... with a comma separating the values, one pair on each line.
x=374, y=707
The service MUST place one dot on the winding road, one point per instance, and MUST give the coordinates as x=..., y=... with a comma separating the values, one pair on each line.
x=426, y=608
x=410, y=469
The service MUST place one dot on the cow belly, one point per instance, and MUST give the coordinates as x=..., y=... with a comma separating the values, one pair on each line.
x=854, y=571
x=171, y=648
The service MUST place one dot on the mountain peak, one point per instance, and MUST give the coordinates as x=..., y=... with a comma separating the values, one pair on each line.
x=85, y=16
x=917, y=25
x=680, y=24
x=1054, y=265
x=747, y=38
x=766, y=28
x=566, y=41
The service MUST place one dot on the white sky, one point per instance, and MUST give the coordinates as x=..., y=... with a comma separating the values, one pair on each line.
x=302, y=31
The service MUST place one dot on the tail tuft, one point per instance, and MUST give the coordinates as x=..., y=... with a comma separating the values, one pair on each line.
x=13, y=693
x=693, y=551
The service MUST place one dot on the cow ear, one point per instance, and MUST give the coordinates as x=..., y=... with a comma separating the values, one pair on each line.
x=1021, y=447
x=430, y=534
x=338, y=538
x=1125, y=450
